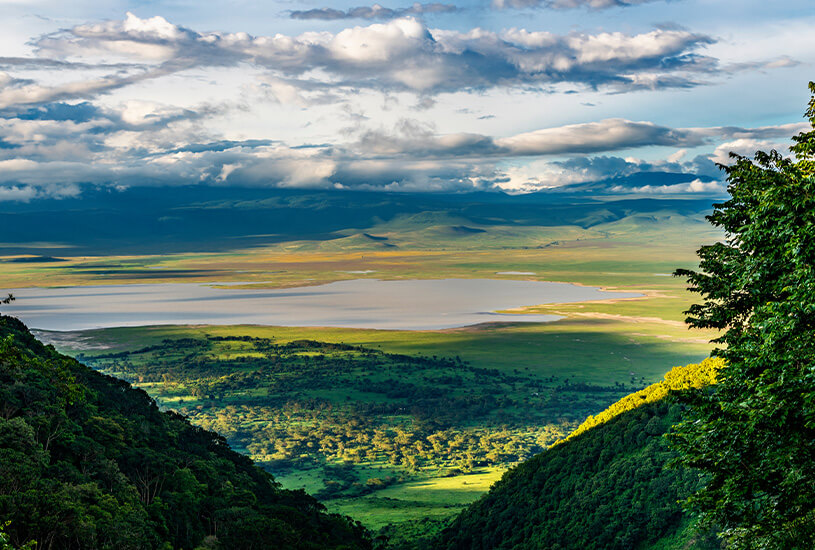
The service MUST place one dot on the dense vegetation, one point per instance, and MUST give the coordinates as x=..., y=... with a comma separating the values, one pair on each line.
x=677, y=379
x=338, y=410
x=609, y=487
x=754, y=434
x=86, y=461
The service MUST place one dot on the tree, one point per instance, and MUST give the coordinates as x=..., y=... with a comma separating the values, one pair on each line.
x=5, y=543
x=753, y=433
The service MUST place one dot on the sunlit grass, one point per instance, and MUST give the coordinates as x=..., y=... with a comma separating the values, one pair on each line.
x=435, y=498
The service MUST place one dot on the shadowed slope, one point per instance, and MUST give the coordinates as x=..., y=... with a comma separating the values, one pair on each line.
x=608, y=487
x=88, y=462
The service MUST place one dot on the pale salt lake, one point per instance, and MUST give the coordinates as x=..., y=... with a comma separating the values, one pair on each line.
x=361, y=303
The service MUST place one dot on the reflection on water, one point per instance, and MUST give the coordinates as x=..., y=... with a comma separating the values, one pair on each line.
x=362, y=303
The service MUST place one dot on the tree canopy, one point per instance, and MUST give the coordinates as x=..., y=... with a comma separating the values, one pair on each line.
x=753, y=433
x=87, y=462
x=606, y=488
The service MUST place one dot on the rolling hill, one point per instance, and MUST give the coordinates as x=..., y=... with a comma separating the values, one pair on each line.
x=144, y=220
x=86, y=461
x=608, y=487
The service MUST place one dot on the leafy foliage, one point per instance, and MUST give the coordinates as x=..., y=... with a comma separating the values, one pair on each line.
x=307, y=406
x=4, y=540
x=754, y=432
x=88, y=462
x=606, y=488
x=677, y=379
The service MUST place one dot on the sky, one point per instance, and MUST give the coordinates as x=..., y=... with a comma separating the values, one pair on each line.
x=512, y=95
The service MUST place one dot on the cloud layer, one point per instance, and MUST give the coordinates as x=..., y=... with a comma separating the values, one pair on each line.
x=127, y=103
x=373, y=12
x=400, y=55
x=566, y=4
x=48, y=151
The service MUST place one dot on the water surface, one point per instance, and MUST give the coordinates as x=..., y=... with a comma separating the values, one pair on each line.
x=361, y=303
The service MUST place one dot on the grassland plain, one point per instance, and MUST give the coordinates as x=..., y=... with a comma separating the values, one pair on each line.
x=631, y=250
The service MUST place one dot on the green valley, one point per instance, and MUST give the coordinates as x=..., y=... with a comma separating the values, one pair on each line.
x=407, y=275
x=403, y=429
x=397, y=428
x=387, y=426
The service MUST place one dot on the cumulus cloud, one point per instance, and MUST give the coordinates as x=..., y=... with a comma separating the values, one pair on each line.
x=18, y=193
x=373, y=12
x=399, y=55
x=605, y=135
x=695, y=186
x=592, y=169
x=40, y=63
x=577, y=174
x=27, y=193
x=148, y=143
x=745, y=146
x=54, y=126
x=273, y=164
x=500, y=160
x=83, y=143
x=15, y=91
x=674, y=174
x=413, y=138
x=610, y=175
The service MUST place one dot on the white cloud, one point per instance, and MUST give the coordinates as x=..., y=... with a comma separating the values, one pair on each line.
x=15, y=92
x=695, y=186
x=566, y=4
x=410, y=137
x=379, y=43
x=15, y=193
x=331, y=83
x=605, y=135
x=26, y=193
x=147, y=143
x=401, y=54
x=746, y=147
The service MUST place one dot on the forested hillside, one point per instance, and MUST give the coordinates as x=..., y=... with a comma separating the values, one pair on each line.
x=608, y=487
x=86, y=461
x=89, y=462
x=384, y=437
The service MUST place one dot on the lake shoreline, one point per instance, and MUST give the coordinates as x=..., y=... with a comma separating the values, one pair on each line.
x=408, y=304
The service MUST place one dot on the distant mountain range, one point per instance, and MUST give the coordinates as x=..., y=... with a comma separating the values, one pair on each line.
x=153, y=220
